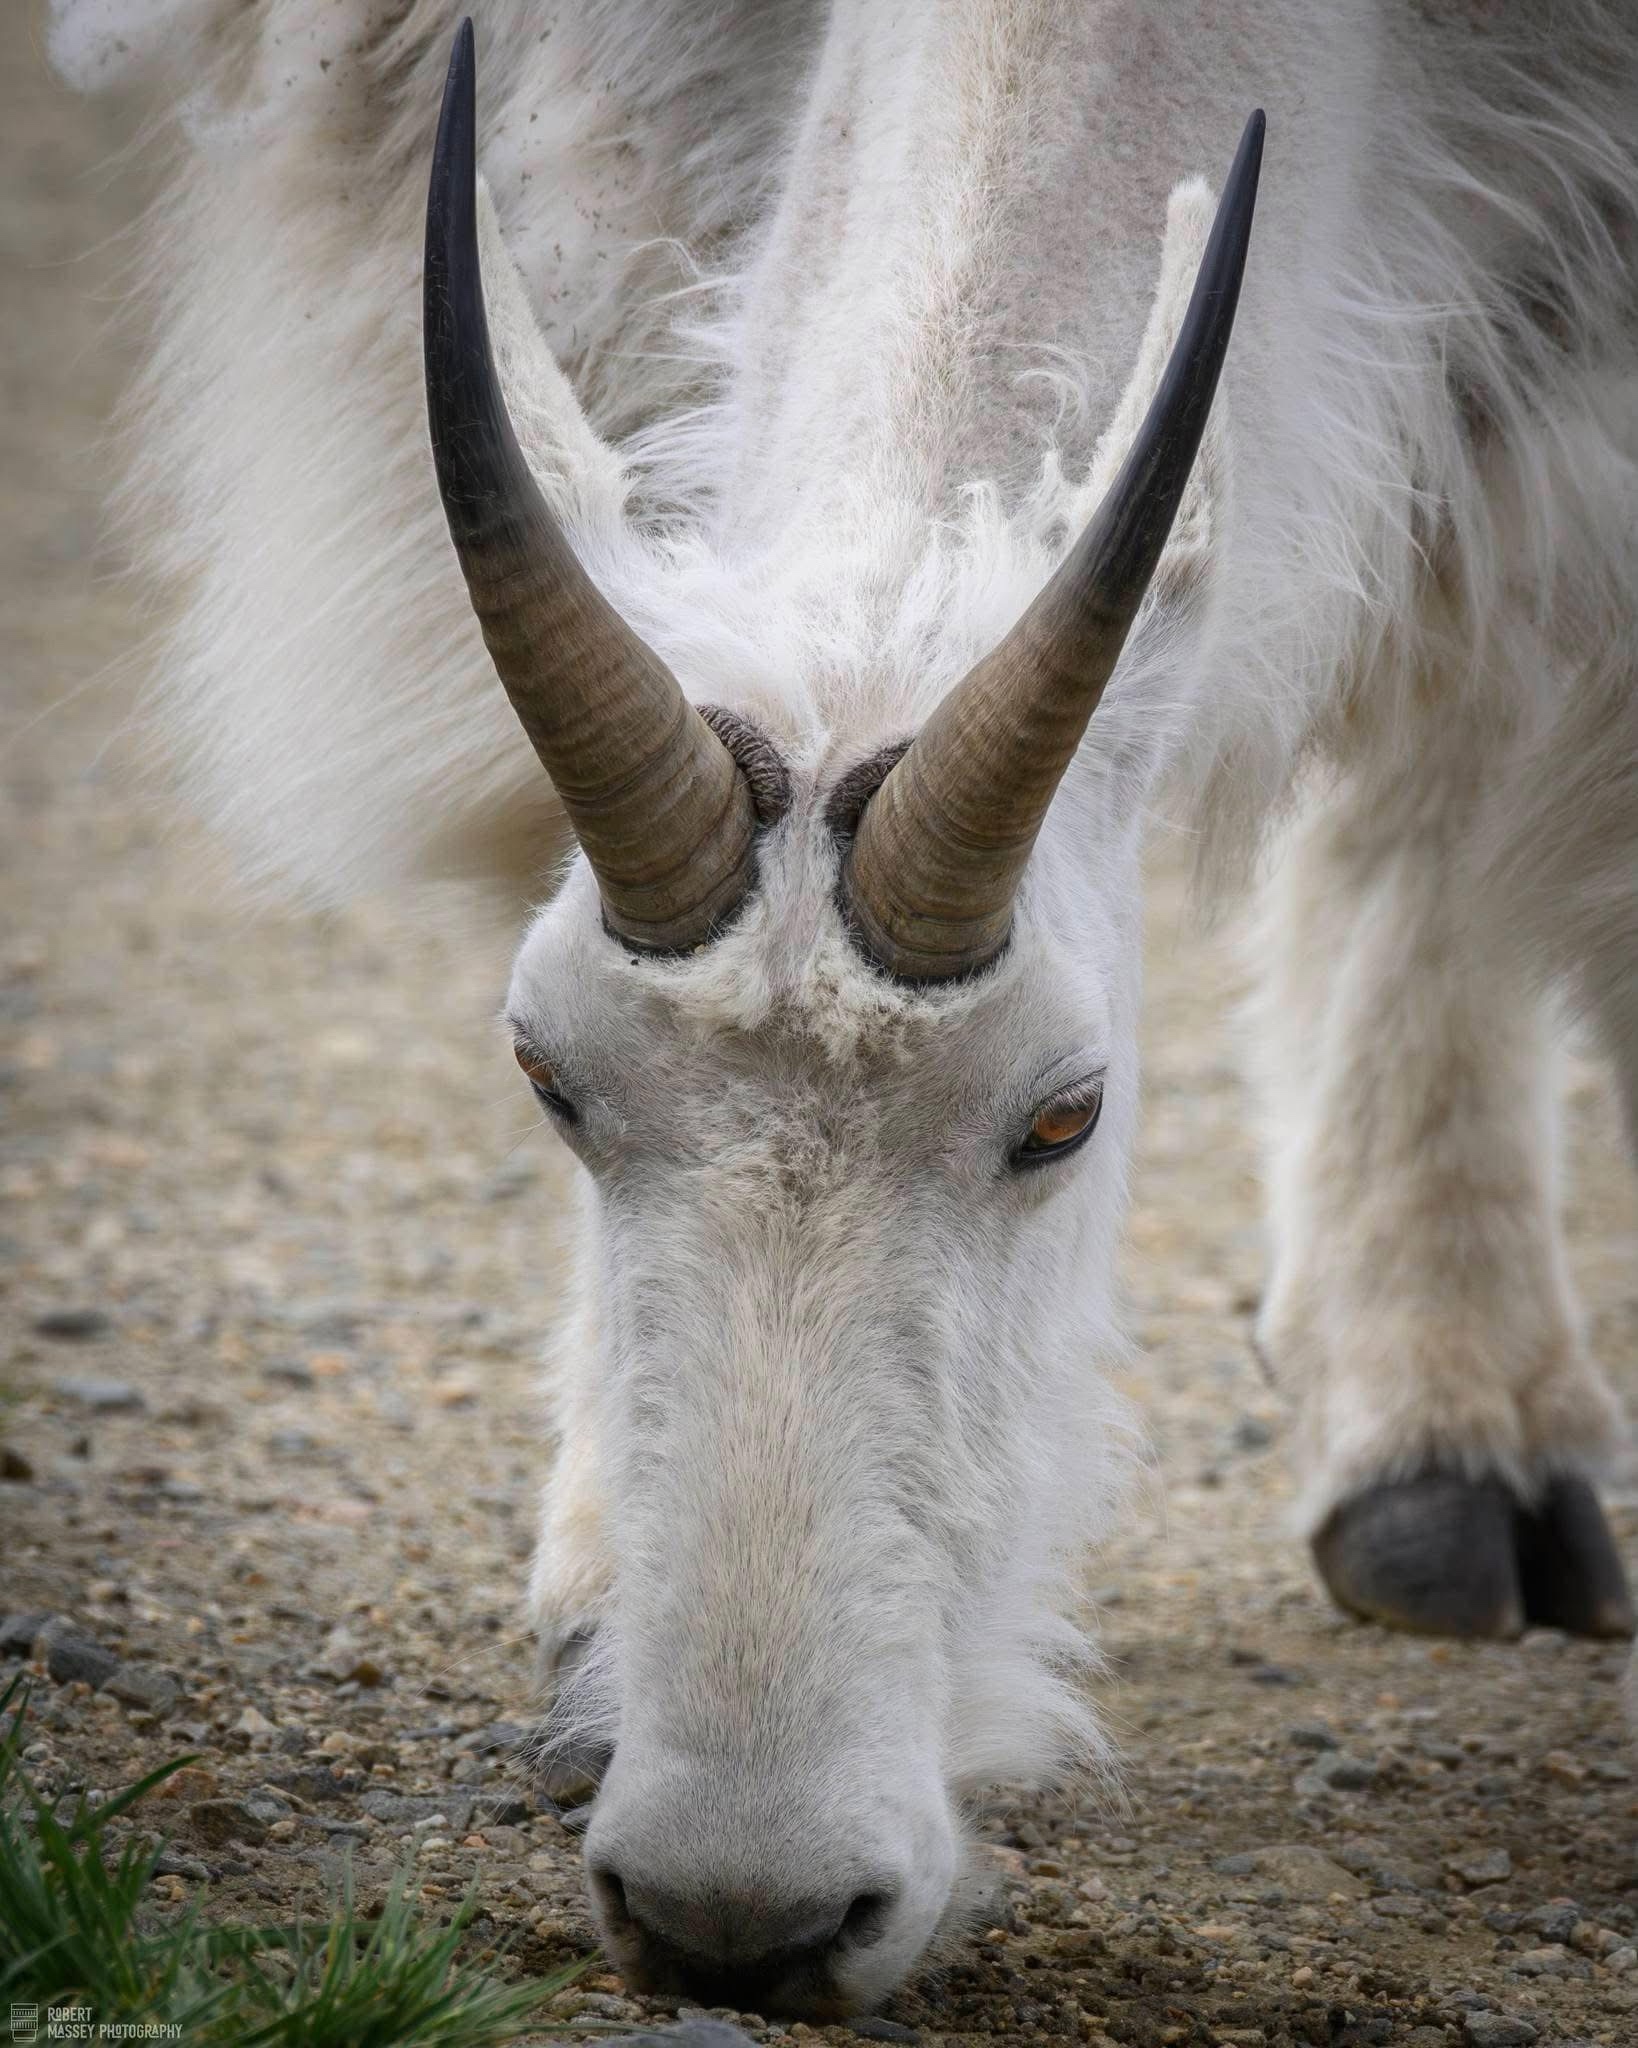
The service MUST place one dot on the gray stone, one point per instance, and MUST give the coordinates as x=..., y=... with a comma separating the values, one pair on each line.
x=72, y=1325
x=1556, y=1921
x=71, y=1655
x=290, y=1372
x=102, y=1397
x=1334, y=1770
x=328, y=1323
x=1475, y=1867
x=293, y=1443
x=1387, y=1877
x=1297, y=1869
x=1498, y=2030
x=500, y=1810
x=315, y=1783
x=1550, y=1961
x=485, y=1741
x=875, y=2029
x=691, y=2034
x=343, y=1657
x=1310, y=1735
x=141, y=1686
x=17, y=1632
x=403, y=1810
x=217, y=1822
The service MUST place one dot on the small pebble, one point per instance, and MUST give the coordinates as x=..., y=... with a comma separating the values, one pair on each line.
x=1553, y=1960
x=72, y=1326
x=1498, y=2030
x=71, y=1655
x=193, y=1781
x=139, y=1685
x=1478, y=1867
x=216, y=1822
x=1297, y=1869
x=700, y=2033
x=345, y=1659
x=102, y=1397
x=1554, y=1922
x=1334, y=1770
x=18, y=1632
x=254, y=1724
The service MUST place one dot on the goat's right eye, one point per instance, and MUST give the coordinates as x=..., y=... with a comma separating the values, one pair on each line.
x=543, y=1080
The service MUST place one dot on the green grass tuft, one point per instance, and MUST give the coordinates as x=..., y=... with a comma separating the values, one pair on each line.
x=73, y=1933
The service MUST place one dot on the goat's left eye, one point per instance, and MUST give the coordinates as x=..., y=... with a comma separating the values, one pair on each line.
x=543, y=1080
x=1058, y=1127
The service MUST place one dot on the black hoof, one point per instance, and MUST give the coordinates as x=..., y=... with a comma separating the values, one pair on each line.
x=1568, y=1565
x=1448, y=1556
x=1434, y=1554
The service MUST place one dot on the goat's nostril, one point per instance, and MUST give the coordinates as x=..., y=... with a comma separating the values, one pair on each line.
x=865, y=1921
x=611, y=1895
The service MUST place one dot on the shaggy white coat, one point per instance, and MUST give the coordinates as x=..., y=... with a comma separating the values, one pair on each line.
x=823, y=329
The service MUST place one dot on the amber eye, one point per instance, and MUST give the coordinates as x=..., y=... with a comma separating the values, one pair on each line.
x=1059, y=1126
x=543, y=1080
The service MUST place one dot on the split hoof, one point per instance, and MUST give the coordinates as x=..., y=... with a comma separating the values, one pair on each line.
x=1444, y=1555
x=1569, y=1567
x=1434, y=1554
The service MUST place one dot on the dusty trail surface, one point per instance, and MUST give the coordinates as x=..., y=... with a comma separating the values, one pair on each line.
x=274, y=1265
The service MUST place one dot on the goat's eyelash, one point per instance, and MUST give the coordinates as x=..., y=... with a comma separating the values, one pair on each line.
x=1079, y=1098
x=1080, y=1094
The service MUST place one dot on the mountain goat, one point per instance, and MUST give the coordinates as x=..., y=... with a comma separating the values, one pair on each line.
x=843, y=547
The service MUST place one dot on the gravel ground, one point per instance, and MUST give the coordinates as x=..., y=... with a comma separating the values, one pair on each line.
x=272, y=1266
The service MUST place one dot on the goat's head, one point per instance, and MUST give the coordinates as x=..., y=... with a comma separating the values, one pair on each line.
x=846, y=1049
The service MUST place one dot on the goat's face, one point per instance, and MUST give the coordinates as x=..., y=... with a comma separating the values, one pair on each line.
x=855, y=1188
x=852, y=1246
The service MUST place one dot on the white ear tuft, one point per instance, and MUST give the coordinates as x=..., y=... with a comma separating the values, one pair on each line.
x=1189, y=215
x=582, y=478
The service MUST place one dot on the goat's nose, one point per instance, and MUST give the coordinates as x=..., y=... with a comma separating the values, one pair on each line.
x=755, y=1953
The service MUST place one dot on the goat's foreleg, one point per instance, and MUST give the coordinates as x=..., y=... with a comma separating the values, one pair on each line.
x=571, y=1581
x=1419, y=1310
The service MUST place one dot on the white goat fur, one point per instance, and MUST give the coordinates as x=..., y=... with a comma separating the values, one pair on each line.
x=823, y=331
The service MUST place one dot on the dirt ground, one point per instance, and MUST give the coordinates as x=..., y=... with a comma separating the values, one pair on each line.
x=272, y=1268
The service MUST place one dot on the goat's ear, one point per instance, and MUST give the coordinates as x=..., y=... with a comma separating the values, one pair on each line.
x=1142, y=726
x=579, y=475
x=1189, y=215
